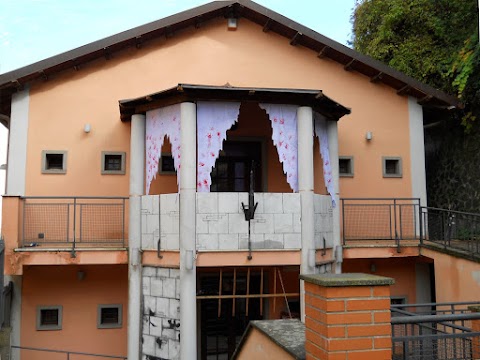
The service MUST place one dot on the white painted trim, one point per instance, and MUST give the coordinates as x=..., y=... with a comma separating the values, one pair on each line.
x=17, y=144
x=417, y=151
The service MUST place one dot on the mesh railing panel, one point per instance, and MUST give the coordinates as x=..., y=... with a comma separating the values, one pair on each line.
x=45, y=223
x=101, y=223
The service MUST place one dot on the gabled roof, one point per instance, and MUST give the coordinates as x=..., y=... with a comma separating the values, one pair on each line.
x=187, y=92
x=298, y=35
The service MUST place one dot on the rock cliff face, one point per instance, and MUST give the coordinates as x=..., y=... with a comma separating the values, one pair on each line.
x=453, y=167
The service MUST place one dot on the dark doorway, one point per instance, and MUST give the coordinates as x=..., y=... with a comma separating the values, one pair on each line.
x=232, y=169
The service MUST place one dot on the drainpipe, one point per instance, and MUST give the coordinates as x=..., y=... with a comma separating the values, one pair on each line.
x=332, y=133
x=137, y=165
x=188, y=273
x=305, y=188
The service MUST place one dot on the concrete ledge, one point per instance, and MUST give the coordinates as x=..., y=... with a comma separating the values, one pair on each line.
x=350, y=279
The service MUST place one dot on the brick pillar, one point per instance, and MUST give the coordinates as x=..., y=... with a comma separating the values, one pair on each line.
x=475, y=328
x=347, y=317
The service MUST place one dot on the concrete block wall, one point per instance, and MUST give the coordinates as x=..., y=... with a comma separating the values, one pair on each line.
x=323, y=221
x=161, y=313
x=160, y=216
x=221, y=223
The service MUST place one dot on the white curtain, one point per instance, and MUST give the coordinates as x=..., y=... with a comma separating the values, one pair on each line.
x=213, y=121
x=285, y=138
x=160, y=123
x=321, y=132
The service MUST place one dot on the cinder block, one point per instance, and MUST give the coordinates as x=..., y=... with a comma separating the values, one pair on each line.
x=146, y=285
x=145, y=325
x=237, y=224
x=207, y=203
x=148, y=241
x=169, y=223
x=273, y=203
x=174, y=311
x=292, y=241
x=262, y=224
x=202, y=224
x=175, y=273
x=169, y=203
x=156, y=286
x=218, y=226
x=170, y=242
x=148, y=346
x=153, y=223
x=228, y=203
x=297, y=223
x=162, y=351
x=163, y=307
x=258, y=241
x=207, y=241
x=228, y=241
x=291, y=203
x=274, y=241
x=155, y=324
x=174, y=349
x=169, y=288
x=149, y=305
x=163, y=273
x=149, y=271
x=283, y=223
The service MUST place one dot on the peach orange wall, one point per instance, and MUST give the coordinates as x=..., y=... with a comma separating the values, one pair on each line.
x=59, y=285
x=211, y=55
x=456, y=279
x=259, y=346
x=401, y=269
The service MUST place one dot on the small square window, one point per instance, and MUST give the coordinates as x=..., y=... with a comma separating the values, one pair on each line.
x=345, y=166
x=49, y=317
x=113, y=163
x=109, y=316
x=167, y=165
x=392, y=167
x=54, y=162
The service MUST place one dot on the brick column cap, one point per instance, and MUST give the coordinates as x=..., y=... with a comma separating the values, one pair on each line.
x=347, y=279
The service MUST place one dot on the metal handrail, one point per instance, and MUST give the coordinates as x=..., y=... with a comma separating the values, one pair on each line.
x=68, y=353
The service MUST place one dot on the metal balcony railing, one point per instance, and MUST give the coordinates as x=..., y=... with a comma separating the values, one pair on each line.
x=452, y=229
x=38, y=353
x=434, y=332
x=73, y=221
x=381, y=219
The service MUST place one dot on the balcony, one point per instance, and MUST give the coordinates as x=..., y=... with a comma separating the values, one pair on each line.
x=73, y=222
x=221, y=224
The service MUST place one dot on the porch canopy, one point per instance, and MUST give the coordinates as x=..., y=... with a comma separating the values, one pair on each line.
x=217, y=111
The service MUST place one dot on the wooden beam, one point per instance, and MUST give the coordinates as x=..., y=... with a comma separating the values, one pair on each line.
x=43, y=75
x=248, y=292
x=106, y=53
x=261, y=292
x=251, y=296
x=404, y=90
x=349, y=66
x=138, y=42
x=234, y=290
x=198, y=22
x=323, y=52
x=377, y=78
x=220, y=284
x=267, y=26
x=426, y=99
x=295, y=38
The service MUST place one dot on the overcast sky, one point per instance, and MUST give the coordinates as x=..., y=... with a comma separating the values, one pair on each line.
x=32, y=30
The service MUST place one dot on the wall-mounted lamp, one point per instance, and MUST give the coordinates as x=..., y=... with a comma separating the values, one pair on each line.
x=232, y=23
x=368, y=135
x=80, y=275
x=189, y=259
x=87, y=128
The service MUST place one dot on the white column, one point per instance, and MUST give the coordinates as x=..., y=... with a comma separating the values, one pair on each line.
x=17, y=144
x=137, y=170
x=188, y=274
x=332, y=133
x=305, y=188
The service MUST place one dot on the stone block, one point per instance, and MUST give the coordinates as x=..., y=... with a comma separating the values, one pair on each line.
x=283, y=223
x=168, y=334
x=177, y=288
x=149, y=305
x=163, y=272
x=292, y=241
x=174, y=310
x=162, y=351
x=146, y=204
x=237, y=224
x=169, y=223
x=175, y=273
x=297, y=223
x=153, y=223
x=174, y=349
x=169, y=203
x=273, y=203
x=169, y=288
x=260, y=199
x=219, y=225
x=145, y=325
x=202, y=224
x=146, y=285
x=291, y=203
x=155, y=326
x=262, y=224
x=163, y=307
x=228, y=203
x=149, y=271
x=258, y=241
x=170, y=242
x=207, y=203
x=149, y=345
x=156, y=286
x=274, y=241
x=207, y=241
x=228, y=241
x=243, y=242
x=148, y=241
